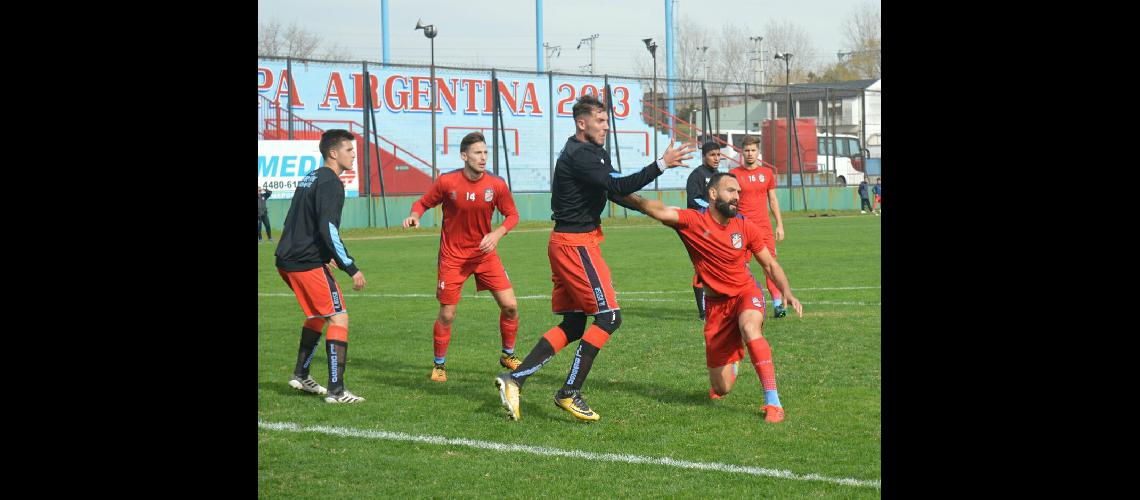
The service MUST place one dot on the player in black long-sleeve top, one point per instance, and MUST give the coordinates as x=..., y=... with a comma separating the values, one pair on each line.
x=583, y=181
x=310, y=242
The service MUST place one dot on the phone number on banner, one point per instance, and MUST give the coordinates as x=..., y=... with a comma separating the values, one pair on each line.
x=280, y=184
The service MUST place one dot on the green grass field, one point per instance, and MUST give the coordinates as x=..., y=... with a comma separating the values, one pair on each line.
x=649, y=384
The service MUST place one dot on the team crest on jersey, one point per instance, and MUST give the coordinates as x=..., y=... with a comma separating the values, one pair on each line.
x=737, y=240
x=761, y=177
x=488, y=195
x=451, y=194
x=756, y=302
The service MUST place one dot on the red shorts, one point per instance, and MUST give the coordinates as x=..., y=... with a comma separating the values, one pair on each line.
x=769, y=239
x=878, y=198
x=723, y=341
x=316, y=290
x=489, y=275
x=581, y=277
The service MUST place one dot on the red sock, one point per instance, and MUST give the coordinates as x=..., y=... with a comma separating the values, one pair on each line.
x=557, y=338
x=442, y=336
x=315, y=324
x=337, y=332
x=596, y=336
x=508, y=329
x=761, y=354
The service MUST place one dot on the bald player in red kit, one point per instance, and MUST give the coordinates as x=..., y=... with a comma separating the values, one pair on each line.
x=467, y=246
x=720, y=243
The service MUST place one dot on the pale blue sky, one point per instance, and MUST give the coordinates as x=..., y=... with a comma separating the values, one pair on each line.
x=501, y=33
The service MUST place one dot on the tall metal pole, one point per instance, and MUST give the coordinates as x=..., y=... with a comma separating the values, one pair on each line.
x=670, y=68
x=788, y=115
x=550, y=122
x=655, y=112
x=367, y=145
x=593, y=56
x=761, y=49
x=494, y=90
x=827, y=134
x=554, y=50
x=434, y=169
x=863, y=129
x=289, y=103
x=652, y=47
x=384, y=29
x=593, y=51
x=431, y=32
x=376, y=143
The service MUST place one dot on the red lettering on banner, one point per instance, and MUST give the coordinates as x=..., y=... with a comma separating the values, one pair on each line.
x=621, y=111
x=562, y=109
x=442, y=94
x=472, y=86
x=286, y=85
x=389, y=91
x=358, y=84
x=490, y=96
x=334, y=90
x=530, y=98
x=509, y=96
x=418, y=91
x=265, y=79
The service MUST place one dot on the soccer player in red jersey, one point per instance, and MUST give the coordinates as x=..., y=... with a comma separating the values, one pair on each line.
x=467, y=244
x=720, y=243
x=757, y=192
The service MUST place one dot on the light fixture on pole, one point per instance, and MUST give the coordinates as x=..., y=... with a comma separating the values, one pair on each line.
x=431, y=32
x=840, y=55
x=551, y=50
x=704, y=59
x=593, y=52
x=759, y=55
x=651, y=46
x=787, y=58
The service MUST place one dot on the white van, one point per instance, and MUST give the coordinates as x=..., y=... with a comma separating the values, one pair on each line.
x=840, y=155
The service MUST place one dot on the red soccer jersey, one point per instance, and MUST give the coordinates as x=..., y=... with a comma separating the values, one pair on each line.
x=754, y=187
x=467, y=209
x=719, y=253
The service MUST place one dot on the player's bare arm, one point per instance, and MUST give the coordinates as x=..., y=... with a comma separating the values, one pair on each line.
x=653, y=208
x=775, y=205
x=774, y=271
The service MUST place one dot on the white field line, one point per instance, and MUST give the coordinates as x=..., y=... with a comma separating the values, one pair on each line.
x=555, y=452
x=534, y=230
x=621, y=298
